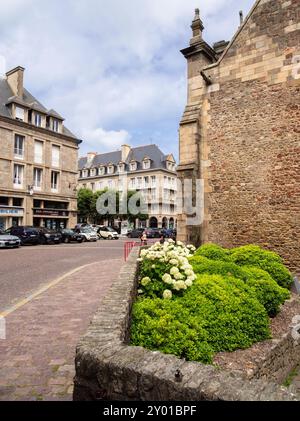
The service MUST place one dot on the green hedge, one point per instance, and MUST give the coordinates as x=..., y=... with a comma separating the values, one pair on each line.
x=213, y=252
x=215, y=314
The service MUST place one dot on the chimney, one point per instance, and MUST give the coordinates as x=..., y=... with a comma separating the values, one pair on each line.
x=15, y=80
x=90, y=157
x=125, y=152
x=197, y=27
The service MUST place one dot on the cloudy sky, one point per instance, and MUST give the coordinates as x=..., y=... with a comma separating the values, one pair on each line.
x=111, y=68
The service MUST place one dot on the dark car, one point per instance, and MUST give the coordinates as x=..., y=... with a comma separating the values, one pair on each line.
x=49, y=236
x=69, y=236
x=153, y=233
x=27, y=235
x=135, y=233
x=168, y=233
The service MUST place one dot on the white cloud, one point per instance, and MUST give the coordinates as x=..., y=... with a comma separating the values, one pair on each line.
x=113, y=65
x=104, y=141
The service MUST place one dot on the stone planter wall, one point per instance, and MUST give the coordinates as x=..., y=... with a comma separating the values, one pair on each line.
x=107, y=368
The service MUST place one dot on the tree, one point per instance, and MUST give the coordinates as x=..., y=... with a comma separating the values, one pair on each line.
x=85, y=203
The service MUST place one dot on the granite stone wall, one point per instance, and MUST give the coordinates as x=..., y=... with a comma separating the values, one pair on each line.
x=240, y=130
x=107, y=368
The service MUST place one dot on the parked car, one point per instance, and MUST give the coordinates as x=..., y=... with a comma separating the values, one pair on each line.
x=153, y=233
x=168, y=233
x=9, y=241
x=26, y=234
x=68, y=236
x=135, y=233
x=108, y=233
x=49, y=236
x=87, y=233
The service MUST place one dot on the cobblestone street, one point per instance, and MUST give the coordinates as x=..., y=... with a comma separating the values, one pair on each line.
x=37, y=357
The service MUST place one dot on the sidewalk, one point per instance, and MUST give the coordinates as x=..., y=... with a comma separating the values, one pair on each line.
x=37, y=357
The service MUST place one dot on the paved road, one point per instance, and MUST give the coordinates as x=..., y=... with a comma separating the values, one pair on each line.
x=25, y=270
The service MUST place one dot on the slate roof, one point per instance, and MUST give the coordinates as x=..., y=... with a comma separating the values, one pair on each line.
x=28, y=100
x=137, y=154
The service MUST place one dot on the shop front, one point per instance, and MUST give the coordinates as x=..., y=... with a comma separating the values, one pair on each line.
x=10, y=216
x=50, y=214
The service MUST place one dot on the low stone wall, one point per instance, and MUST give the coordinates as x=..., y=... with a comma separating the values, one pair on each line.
x=107, y=368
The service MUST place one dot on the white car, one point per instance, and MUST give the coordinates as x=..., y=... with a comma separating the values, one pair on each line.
x=108, y=233
x=88, y=234
x=9, y=241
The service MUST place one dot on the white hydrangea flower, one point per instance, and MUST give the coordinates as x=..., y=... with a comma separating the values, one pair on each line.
x=167, y=295
x=179, y=285
x=174, y=270
x=145, y=281
x=188, y=282
x=178, y=276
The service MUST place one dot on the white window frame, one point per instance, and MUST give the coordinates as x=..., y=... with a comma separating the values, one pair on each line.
x=147, y=164
x=38, y=118
x=55, y=160
x=102, y=170
x=38, y=158
x=55, y=125
x=37, y=182
x=20, y=148
x=133, y=166
x=20, y=113
x=110, y=169
x=18, y=176
x=55, y=186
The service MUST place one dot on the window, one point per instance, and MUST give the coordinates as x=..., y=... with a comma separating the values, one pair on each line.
x=20, y=113
x=110, y=184
x=92, y=186
x=153, y=194
x=133, y=166
x=19, y=146
x=54, y=181
x=55, y=125
x=38, y=152
x=55, y=156
x=139, y=182
x=37, y=178
x=121, y=168
x=153, y=181
x=38, y=120
x=147, y=164
x=18, y=176
x=111, y=169
x=102, y=170
x=132, y=183
x=146, y=182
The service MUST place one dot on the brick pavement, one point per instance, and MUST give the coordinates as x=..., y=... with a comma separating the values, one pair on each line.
x=37, y=357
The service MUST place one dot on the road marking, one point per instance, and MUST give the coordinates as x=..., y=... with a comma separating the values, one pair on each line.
x=40, y=291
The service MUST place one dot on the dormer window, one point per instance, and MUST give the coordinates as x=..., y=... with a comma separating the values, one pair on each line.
x=85, y=173
x=133, y=166
x=171, y=166
x=121, y=167
x=102, y=170
x=20, y=114
x=110, y=169
x=38, y=120
x=147, y=164
x=55, y=125
x=93, y=172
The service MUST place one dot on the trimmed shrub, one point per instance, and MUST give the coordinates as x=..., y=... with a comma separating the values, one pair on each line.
x=267, y=260
x=167, y=326
x=215, y=314
x=269, y=294
x=213, y=252
x=217, y=267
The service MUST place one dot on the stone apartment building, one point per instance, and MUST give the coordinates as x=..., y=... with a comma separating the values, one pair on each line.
x=38, y=160
x=146, y=169
x=240, y=132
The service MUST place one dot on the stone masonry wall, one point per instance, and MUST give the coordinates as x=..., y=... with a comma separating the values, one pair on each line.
x=248, y=119
x=107, y=368
x=254, y=135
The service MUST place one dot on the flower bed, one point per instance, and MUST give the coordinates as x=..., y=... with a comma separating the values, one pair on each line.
x=194, y=304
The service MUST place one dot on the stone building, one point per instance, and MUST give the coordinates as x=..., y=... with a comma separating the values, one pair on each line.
x=146, y=169
x=38, y=160
x=240, y=132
